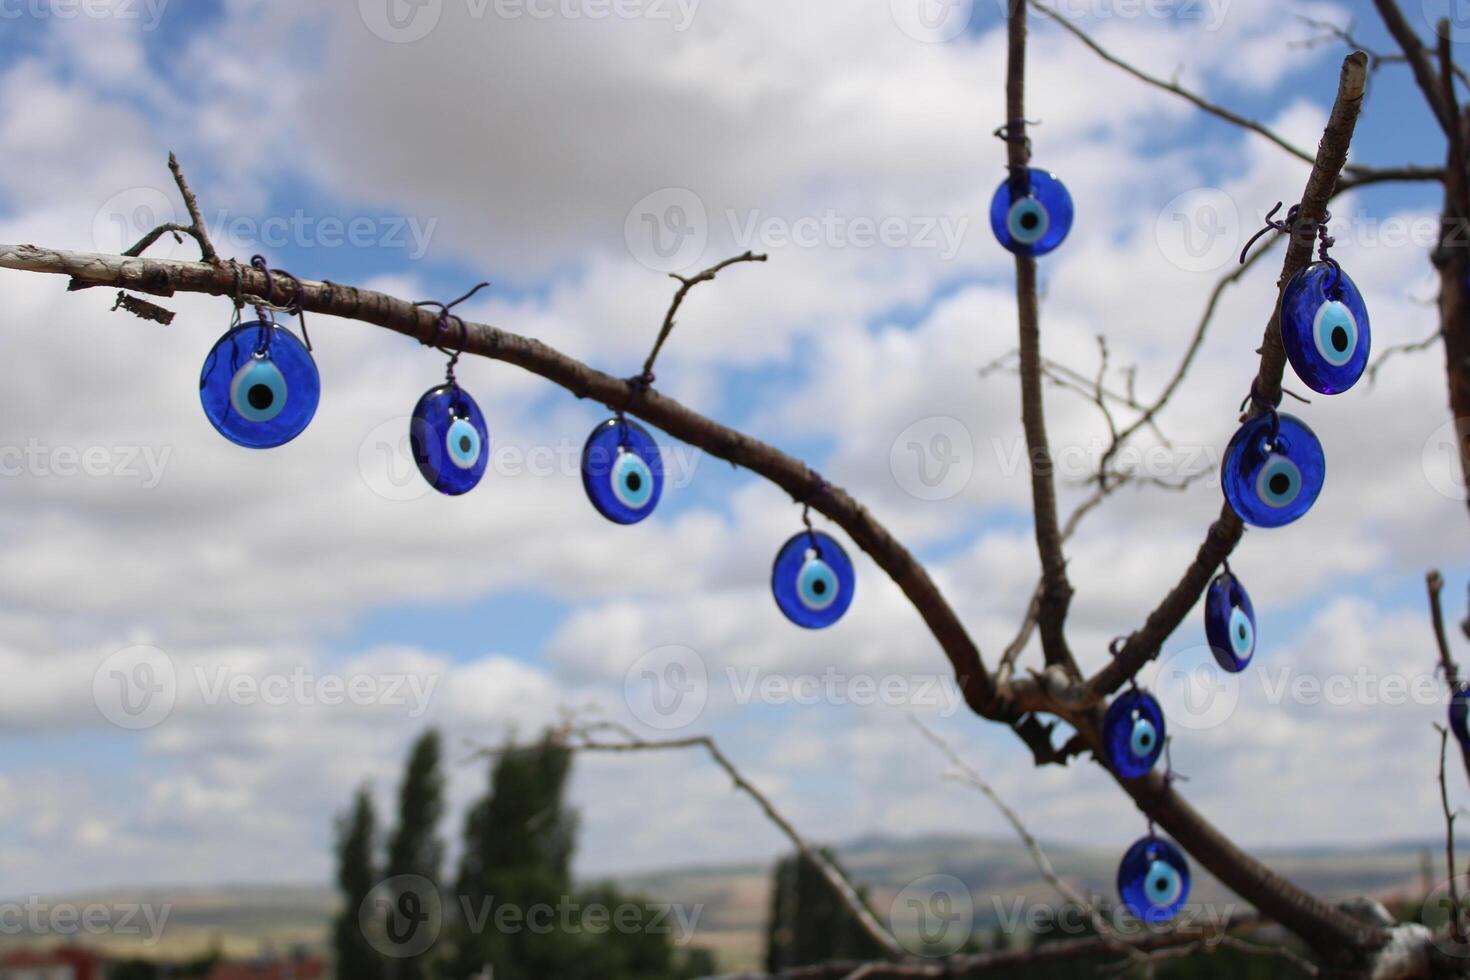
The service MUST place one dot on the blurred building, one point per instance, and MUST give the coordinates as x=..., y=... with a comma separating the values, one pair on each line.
x=65, y=963
x=300, y=965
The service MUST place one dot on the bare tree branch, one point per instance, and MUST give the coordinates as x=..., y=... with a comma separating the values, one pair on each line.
x=985, y=964
x=584, y=737
x=1409, y=348
x=1324, y=927
x=1056, y=590
x=196, y=220
x=965, y=773
x=1226, y=531
x=1418, y=58
x=1434, y=584
x=1196, y=341
x=1364, y=174
x=1457, y=931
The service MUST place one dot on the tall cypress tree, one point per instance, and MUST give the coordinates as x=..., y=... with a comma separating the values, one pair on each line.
x=356, y=876
x=809, y=922
x=416, y=848
x=517, y=858
x=518, y=844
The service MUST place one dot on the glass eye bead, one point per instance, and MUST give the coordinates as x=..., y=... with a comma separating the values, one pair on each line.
x=1133, y=733
x=1324, y=328
x=622, y=471
x=450, y=442
x=812, y=580
x=1272, y=483
x=1153, y=879
x=259, y=386
x=1033, y=220
x=1230, y=623
x=1460, y=715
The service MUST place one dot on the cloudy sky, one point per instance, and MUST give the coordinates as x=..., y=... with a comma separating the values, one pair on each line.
x=572, y=152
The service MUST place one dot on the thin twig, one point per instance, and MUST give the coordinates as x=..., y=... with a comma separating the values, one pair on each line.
x=191, y=204
x=1409, y=348
x=1219, y=111
x=967, y=774
x=1187, y=361
x=1434, y=584
x=1101, y=491
x=686, y=283
x=1452, y=873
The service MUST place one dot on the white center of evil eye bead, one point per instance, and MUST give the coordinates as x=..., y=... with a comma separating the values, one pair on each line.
x=1279, y=482
x=816, y=584
x=463, y=442
x=1028, y=220
x=1162, y=884
x=1335, y=332
x=632, y=481
x=1242, y=634
x=1144, y=737
x=258, y=390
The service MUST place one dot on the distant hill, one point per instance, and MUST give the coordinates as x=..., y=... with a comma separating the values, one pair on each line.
x=733, y=899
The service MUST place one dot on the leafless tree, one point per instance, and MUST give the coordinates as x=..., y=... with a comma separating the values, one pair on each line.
x=1346, y=940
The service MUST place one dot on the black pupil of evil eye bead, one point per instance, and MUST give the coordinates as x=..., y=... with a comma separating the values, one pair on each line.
x=259, y=386
x=1459, y=710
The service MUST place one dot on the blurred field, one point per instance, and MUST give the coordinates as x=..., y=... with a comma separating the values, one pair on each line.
x=733, y=901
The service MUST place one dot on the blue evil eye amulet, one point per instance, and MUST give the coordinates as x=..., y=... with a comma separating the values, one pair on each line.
x=1272, y=479
x=1133, y=733
x=1031, y=212
x=622, y=471
x=1324, y=328
x=450, y=442
x=259, y=385
x=1230, y=623
x=1153, y=879
x=1460, y=714
x=812, y=580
